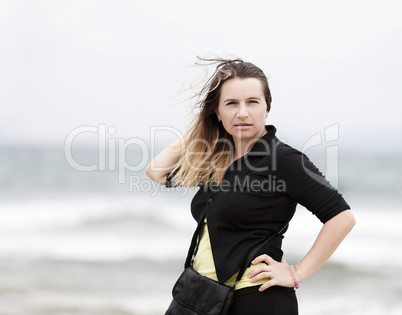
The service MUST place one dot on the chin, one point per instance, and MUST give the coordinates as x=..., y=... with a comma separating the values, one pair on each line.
x=244, y=134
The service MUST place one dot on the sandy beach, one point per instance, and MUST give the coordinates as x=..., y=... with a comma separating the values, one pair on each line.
x=87, y=246
x=143, y=288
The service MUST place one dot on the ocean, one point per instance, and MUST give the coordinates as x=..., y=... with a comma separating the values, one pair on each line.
x=109, y=242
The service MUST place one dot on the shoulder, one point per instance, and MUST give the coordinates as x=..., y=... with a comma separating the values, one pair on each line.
x=275, y=154
x=294, y=163
x=285, y=153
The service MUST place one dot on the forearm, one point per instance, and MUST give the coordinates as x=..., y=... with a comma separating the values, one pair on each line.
x=164, y=162
x=331, y=235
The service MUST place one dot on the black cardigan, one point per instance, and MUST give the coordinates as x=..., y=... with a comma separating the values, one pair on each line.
x=256, y=198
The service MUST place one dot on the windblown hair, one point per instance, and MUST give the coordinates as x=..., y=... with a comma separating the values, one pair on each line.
x=207, y=148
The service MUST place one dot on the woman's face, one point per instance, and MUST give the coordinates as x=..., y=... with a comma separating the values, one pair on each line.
x=243, y=109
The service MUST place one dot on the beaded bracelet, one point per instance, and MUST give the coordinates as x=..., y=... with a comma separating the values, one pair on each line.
x=292, y=272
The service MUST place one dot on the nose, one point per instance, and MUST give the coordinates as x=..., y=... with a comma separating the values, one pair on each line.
x=242, y=112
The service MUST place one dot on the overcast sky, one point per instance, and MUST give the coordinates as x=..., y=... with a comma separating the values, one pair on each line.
x=66, y=64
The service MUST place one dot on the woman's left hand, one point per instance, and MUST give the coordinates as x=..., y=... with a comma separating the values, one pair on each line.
x=276, y=273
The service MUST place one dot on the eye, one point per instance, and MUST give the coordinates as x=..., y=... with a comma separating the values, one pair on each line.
x=231, y=103
x=254, y=101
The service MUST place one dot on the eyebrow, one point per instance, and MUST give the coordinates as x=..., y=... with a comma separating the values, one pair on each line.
x=234, y=100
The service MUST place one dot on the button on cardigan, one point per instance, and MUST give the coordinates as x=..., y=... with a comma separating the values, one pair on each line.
x=256, y=198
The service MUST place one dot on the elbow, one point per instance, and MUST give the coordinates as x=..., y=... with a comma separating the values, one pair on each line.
x=148, y=171
x=344, y=220
x=353, y=221
x=154, y=176
x=349, y=219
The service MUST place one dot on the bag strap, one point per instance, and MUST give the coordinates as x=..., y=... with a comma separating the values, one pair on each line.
x=253, y=253
x=201, y=229
x=192, y=251
x=196, y=242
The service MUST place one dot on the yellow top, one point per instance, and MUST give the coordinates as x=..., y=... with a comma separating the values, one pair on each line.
x=204, y=264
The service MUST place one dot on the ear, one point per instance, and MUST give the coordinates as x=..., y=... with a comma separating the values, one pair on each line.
x=217, y=114
x=266, y=114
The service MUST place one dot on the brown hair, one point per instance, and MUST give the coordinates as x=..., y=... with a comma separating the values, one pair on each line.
x=208, y=147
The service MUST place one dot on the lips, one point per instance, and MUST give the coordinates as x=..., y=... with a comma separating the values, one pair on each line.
x=243, y=125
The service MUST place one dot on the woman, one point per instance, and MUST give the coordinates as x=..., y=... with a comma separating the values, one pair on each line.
x=250, y=184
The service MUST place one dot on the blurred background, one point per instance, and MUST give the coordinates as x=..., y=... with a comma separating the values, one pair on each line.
x=91, y=90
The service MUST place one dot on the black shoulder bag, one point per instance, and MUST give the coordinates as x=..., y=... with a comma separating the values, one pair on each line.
x=194, y=294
